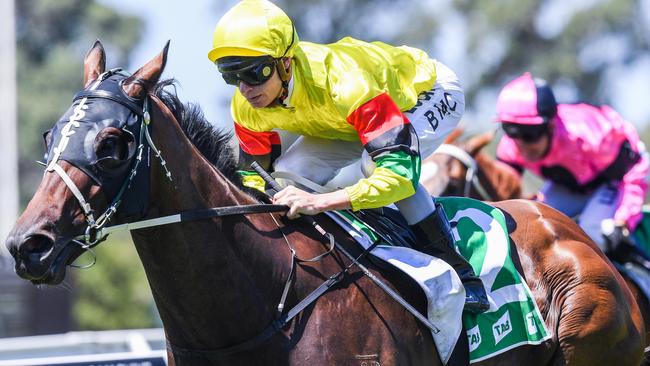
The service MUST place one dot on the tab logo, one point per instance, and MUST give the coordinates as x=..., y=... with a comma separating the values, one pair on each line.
x=474, y=338
x=502, y=327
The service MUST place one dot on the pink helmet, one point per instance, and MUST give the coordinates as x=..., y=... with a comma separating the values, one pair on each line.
x=526, y=101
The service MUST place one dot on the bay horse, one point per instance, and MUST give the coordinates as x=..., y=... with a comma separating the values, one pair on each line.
x=465, y=170
x=216, y=282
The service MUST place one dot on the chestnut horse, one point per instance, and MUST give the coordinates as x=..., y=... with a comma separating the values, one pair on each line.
x=217, y=281
x=491, y=180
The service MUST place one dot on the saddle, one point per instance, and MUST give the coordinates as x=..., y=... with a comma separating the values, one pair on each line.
x=641, y=234
x=390, y=225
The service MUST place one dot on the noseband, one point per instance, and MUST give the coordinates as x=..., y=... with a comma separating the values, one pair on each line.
x=471, y=176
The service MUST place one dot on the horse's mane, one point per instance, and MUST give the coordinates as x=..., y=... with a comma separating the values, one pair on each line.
x=211, y=141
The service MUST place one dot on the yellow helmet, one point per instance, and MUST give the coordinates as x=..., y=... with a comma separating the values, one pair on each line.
x=254, y=28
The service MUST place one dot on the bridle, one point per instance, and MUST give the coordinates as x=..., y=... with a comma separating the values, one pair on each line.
x=471, y=176
x=93, y=233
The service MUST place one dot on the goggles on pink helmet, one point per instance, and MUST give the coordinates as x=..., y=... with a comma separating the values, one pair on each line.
x=526, y=101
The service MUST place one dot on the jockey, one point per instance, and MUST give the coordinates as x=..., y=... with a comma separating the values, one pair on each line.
x=395, y=103
x=593, y=161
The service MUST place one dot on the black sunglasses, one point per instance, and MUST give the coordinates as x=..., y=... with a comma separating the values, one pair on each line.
x=255, y=73
x=525, y=133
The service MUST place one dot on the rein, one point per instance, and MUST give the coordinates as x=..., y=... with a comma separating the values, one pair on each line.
x=191, y=216
x=471, y=177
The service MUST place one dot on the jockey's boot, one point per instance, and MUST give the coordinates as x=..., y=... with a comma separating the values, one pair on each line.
x=435, y=238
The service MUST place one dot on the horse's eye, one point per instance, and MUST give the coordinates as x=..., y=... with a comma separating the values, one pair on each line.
x=111, y=144
x=107, y=147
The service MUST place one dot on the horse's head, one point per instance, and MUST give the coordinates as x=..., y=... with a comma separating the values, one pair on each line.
x=92, y=160
x=460, y=169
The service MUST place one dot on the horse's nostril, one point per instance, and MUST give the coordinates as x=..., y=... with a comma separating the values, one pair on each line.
x=35, y=245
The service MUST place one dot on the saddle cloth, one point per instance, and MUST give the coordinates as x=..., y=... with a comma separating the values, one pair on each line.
x=482, y=238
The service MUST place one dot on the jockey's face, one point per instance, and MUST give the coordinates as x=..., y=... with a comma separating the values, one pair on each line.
x=535, y=150
x=262, y=95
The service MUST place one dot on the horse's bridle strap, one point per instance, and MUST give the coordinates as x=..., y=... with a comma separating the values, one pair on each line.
x=85, y=206
x=105, y=94
x=193, y=216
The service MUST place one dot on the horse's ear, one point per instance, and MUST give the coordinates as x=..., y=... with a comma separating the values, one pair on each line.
x=454, y=135
x=476, y=143
x=143, y=80
x=94, y=63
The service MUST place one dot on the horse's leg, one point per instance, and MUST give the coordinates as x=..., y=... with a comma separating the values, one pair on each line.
x=590, y=312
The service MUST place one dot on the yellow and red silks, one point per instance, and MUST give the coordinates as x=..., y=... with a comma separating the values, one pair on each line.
x=351, y=91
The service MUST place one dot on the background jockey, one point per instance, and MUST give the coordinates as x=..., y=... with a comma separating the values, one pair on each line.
x=594, y=164
x=395, y=103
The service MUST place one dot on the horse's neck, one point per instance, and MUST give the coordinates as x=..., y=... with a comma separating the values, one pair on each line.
x=208, y=272
x=195, y=181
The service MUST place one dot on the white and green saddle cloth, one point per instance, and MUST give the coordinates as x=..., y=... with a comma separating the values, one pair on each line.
x=482, y=238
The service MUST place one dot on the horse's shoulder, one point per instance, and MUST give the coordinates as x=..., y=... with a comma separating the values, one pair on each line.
x=553, y=242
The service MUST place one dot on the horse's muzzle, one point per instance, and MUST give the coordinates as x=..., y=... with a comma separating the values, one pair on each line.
x=38, y=258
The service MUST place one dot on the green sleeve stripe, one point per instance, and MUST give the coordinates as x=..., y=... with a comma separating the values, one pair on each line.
x=403, y=164
x=383, y=187
x=247, y=173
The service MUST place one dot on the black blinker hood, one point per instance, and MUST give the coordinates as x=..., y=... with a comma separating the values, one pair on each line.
x=91, y=112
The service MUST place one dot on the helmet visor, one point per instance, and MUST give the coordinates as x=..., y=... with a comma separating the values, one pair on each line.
x=251, y=70
x=525, y=133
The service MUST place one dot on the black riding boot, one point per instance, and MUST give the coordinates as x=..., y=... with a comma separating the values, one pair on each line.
x=435, y=238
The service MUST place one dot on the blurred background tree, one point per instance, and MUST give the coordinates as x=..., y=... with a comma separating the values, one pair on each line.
x=52, y=39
